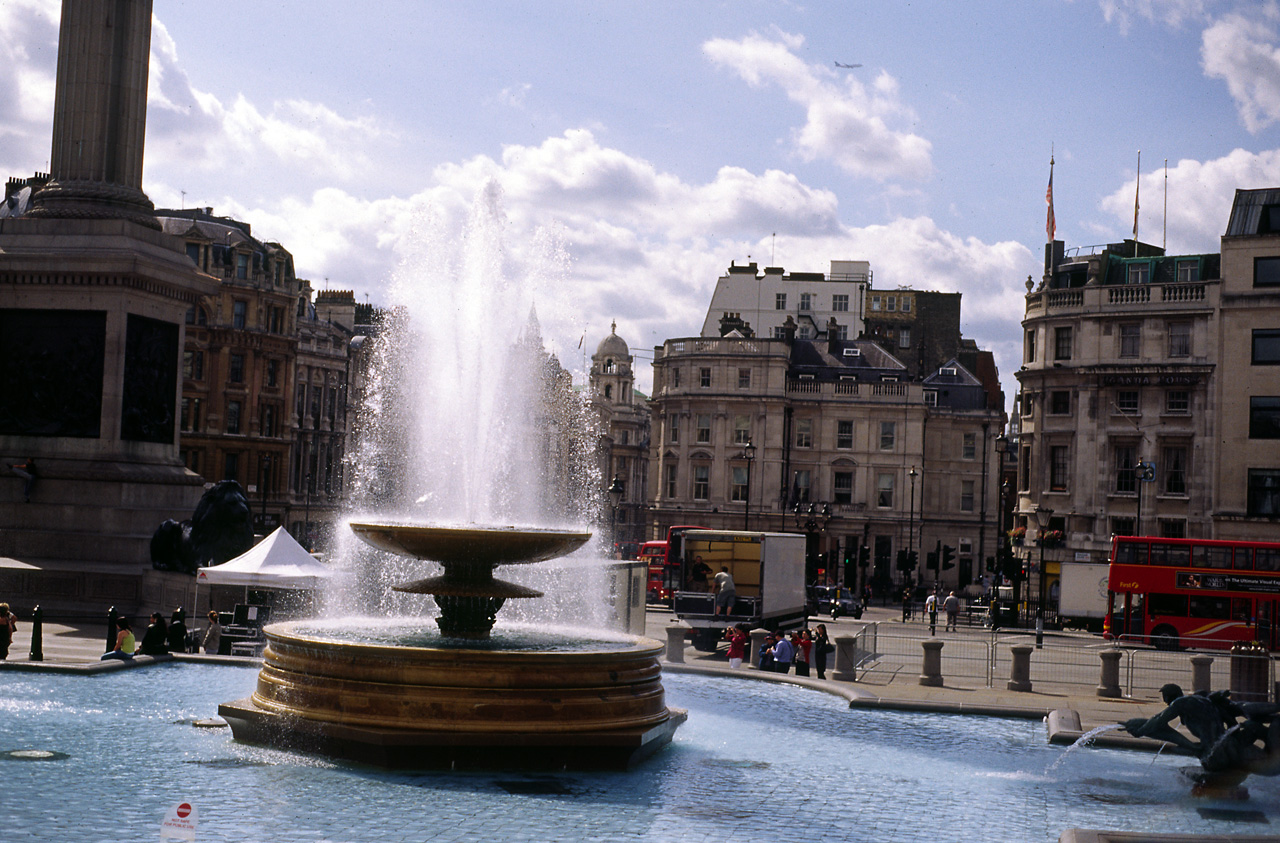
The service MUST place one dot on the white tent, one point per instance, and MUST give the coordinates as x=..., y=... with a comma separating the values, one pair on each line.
x=277, y=561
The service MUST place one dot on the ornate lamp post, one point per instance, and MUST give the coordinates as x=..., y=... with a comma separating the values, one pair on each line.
x=615, y=498
x=1043, y=514
x=811, y=520
x=748, y=454
x=911, y=518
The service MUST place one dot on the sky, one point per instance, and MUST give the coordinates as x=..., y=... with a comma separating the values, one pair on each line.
x=657, y=142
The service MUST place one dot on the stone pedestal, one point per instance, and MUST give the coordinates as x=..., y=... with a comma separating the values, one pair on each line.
x=757, y=644
x=1109, y=683
x=1200, y=673
x=846, y=669
x=1020, y=668
x=931, y=670
x=676, y=633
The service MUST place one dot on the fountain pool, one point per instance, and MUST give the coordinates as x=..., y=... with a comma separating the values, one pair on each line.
x=755, y=762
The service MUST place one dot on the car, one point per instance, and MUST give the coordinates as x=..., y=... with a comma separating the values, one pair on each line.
x=834, y=601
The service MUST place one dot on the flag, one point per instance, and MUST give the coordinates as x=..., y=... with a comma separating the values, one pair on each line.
x=1050, y=223
x=1136, y=188
x=580, y=339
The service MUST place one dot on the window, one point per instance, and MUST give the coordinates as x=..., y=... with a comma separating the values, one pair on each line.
x=1266, y=272
x=704, y=377
x=1266, y=347
x=1264, y=417
x=891, y=303
x=888, y=433
x=1175, y=471
x=1188, y=271
x=701, y=482
x=779, y=333
x=906, y=304
x=236, y=372
x=273, y=373
x=675, y=378
x=1059, y=468
x=242, y=266
x=800, y=486
x=844, y=434
x=779, y=301
x=1179, y=339
x=1031, y=346
x=302, y=400
x=671, y=479
x=1130, y=340
x=875, y=302
x=804, y=332
x=806, y=301
x=626, y=437
x=1264, y=492
x=966, y=496
x=233, y=417
x=193, y=365
x=268, y=417
x=969, y=446
x=1024, y=469
x=904, y=338
x=1060, y=402
x=842, y=487
x=1127, y=401
x=840, y=303
x=673, y=428
x=608, y=392
x=884, y=491
x=1177, y=401
x=189, y=419
x=231, y=467
x=1139, y=273
x=744, y=379
x=1126, y=462
x=804, y=433
x=738, y=488
x=703, y=434
x=1173, y=528
x=1062, y=343
x=741, y=430
x=193, y=252
x=1122, y=526
x=238, y=310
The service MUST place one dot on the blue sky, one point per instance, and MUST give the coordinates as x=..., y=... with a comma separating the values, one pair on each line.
x=660, y=141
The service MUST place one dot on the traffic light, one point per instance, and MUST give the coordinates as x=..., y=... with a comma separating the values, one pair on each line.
x=902, y=560
x=864, y=556
x=948, y=557
x=932, y=557
x=913, y=559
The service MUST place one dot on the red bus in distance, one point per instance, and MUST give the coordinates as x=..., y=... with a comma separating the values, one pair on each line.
x=1201, y=593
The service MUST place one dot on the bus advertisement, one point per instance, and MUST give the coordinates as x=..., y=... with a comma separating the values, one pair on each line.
x=1177, y=593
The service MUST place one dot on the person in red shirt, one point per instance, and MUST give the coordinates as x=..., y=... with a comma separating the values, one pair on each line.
x=737, y=645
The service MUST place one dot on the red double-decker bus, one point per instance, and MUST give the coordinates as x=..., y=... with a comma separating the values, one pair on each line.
x=1175, y=593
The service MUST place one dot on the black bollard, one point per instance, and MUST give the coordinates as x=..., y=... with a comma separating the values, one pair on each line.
x=37, y=635
x=112, y=617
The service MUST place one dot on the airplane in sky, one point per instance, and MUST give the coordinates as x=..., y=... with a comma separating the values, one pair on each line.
x=848, y=66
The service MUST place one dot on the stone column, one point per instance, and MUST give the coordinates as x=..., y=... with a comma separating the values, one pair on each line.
x=1200, y=673
x=1020, y=668
x=757, y=644
x=846, y=669
x=675, y=641
x=1109, y=683
x=931, y=671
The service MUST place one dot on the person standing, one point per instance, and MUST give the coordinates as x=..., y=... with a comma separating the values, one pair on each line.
x=952, y=607
x=821, y=647
x=8, y=626
x=737, y=645
x=906, y=604
x=726, y=592
x=27, y=471
x=931, y=606
x=803, y=644
x=783, y=653
x=212, y=635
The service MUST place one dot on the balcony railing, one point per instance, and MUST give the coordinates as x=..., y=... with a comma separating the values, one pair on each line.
x=1119, y=296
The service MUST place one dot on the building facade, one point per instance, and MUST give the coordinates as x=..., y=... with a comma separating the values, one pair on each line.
x=760, y=303
x=624, y=422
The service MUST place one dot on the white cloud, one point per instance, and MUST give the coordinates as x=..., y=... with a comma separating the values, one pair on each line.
x=1243, y=52
x=1200, y=197
x=1170, y=12
x=28, y=52
x=847, y=122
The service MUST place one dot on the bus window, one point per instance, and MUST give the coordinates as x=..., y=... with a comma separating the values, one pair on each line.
x=1211, y=557
x=1127, y=554
x=1168, y=554
x=1167, y=604
x=1266, y=559
x=1212, y=608
x=1240, y=607
x=1244, y=559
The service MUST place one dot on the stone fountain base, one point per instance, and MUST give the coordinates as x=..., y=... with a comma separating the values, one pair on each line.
x=427, y=708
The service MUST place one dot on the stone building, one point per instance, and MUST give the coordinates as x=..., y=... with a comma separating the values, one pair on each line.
x=624, y=419
x=761, y=303
x=828, y=438
x=1150, y=393
x=239, y=361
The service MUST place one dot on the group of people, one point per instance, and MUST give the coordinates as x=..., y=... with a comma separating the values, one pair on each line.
x=726, y=593
x=160, y=637
x=951, y=605
x=805, y=648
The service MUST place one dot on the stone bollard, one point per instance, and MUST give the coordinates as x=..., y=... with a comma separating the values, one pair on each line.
x=1200, y=673
x=676, y=633
x=1020, y=667
x=757, y=644
x=1109, y=682
x=931, y=671
x=37, y=636
x=112, y=617
x=846, y=669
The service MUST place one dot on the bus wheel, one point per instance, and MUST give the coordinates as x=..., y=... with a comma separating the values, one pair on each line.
x=1164, y=638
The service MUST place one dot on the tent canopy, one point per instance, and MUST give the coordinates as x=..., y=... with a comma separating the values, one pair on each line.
x=277, y=561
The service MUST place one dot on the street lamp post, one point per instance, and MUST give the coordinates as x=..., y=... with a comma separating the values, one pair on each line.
x=911, y=519
x=748, y=454
x=615, y=498
x=264, y=469
x=306, y=529
x=1043, y=514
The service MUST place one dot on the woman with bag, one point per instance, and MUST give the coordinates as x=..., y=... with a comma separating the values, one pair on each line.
x=821, y=647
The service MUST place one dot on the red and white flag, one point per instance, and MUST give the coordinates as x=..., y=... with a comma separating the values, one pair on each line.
x=1050, y=223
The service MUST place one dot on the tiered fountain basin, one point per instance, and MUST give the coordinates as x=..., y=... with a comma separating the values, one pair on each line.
x=394, y=694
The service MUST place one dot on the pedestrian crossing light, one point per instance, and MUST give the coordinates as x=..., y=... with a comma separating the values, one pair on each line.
x=948, y=557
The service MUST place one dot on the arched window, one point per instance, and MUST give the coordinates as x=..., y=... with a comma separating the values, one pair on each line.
x=608, y=391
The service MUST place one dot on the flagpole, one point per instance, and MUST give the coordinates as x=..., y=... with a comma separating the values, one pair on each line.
x=1137, y=188
x=1164, y=231
x=1050, y=223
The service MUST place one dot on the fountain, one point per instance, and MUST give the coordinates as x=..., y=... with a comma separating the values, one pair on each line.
x=385, y=692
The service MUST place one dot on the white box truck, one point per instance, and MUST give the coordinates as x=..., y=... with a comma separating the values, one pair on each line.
x=768, y=575
x=1082, y=595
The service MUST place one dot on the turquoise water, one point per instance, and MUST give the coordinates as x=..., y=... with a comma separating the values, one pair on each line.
x=755, y=762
